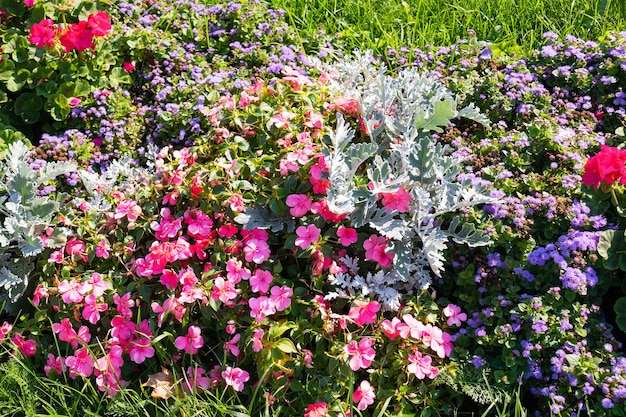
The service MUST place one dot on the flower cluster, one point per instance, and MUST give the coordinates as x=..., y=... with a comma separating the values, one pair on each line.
x=76, y=36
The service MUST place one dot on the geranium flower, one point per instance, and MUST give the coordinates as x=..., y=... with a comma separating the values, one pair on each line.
x=606, y=167
x=43, y=33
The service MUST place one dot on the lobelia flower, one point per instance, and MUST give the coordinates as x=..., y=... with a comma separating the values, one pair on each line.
x=364, y=395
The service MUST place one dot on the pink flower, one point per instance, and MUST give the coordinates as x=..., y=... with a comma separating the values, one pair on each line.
x=260, y=307
x=399, y=201
x=196, y=378
x=307, y=235
x=76, y=247
x=80, y=364
x=364, y=312
x=102, y=250
x=455, y=317
x=231, y=345
x=65, y=330
x=394, y=328
x=27, y=347
x=99, y=23
x=414, y=327
x=317, y=410
x=236, y=203
x=124, y=305
x=299, y=203
x=364, y=395
x=77, y=36
x=191, y=342
x=257, y=340
x=362, y=353
x=29, y=3
x=92, y=309
x=128, y=209
x=257, y=251
x=4, y=330
x=71, y=291
x=235, y=271
x=96, y=285
x=420, y=366
x=128, y=66
x=281, y=120
x=315, y=120
x=169, y=279
x=235, y=377
x=260, y=281
x=199, y=224
x=375, y=247
x=281, y=297
x=139, y=350
x=223, y=290
x=53, y=363
x=347, y=236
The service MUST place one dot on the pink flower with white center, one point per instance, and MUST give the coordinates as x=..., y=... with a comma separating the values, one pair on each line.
x=108, y=372
x=235, y=271
x=362, y=353
x=317, y=410
x=196, y=378
x=223, y=290
x=364, y=395
x=191, y=295
x=398, y=201
x=415, y=327
x=236, y=203
x=299, y=203
x=287, y=166
x=281, y=297
x=102, y=250
x=4, y=330
x=41, y=291
x=421, y=367
x=307, y=235
x=257, y=340
x=394, y=328
x=191, y=342
x=141, y=349
x=56, y=256
x=432, y=336
x=261, y=307
x=92, y=309
x=231, y=345
x=454, y=315
x=27, y=347
x=128, y=209
x=375, y=247
x=82, y=337
x=364, y=312
x=235, y=377
x=257, y=251
x=71, y=291
x=54, y=364
x=347, y=236
x=96, y=285
x=81, y=364
x=169, y=279
x=124, y=305
x=260, y=281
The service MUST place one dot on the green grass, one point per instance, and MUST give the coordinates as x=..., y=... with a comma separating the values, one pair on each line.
x=378, y=24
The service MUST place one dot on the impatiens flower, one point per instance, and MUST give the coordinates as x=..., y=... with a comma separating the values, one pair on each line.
x=364, y=312
x=72, y=291
x=141, y=349
x=260, y=307
x=102, y=250
x=347, y=236
x=394, y=328
x=196, y=378
x=92, y=309
x=129, y=209
x=80, y=364
x=281, y=297
x=260, y=281
x=364, y=396
x=398, y=201
x=235, y=377
x=307, y=235
x=299, y=203
x=257, y=251
x=606, y=167
x=54, y=364
x=375, y=250
x=421, y=367
x=362, y=353
x=27, y=347
x=223, y=290
x=235, y=271
x=4, y=330
x=317, y=410
x=231, y=345
x=257, y=340
x=191, y=342
x=454, y=314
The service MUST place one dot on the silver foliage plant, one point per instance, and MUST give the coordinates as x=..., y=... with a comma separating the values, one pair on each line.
x=399, y=114
x=24, y=218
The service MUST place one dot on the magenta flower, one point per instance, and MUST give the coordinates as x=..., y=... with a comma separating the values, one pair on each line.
x=260, y=307
x=27, y=347
x=317, y=410
x=231, y=345
x=395, y=328
x=415, y=327
x=362, y=353
x=141, y=349
x=196, y=378
x=399, y=201
x=235, y=271
x=257, y=251
x=300, y=204
x=223, y=290
x=364, y=395
x=54, y=363
x=96, y=285
x=235, y=377
x=80, y=364
x=257, y=340
x=191, y=342
x=260, y=281
x=307, y=235
x=375, y=250
x=92, y=309
x=43, y=33
x=71, y=291
x=281, y=297
x=347, y=236
x=364, y=312
x=420, y=366
x=5, y=329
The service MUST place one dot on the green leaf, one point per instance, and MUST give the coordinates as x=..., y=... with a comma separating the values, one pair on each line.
x=286, y=346
x=443, y=111
x=28, y=106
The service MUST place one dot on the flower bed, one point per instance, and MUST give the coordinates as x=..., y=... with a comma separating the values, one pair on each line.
x=220, y=214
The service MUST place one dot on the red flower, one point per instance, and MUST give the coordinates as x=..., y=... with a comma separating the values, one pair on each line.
x=42, y=33
x=605, y=167
x=77, y=36
x=99, y=23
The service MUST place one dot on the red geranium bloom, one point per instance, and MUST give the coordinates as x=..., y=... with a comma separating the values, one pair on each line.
x=42, y=33
x=99, y=23
x=77, y=36
x=605, y=167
